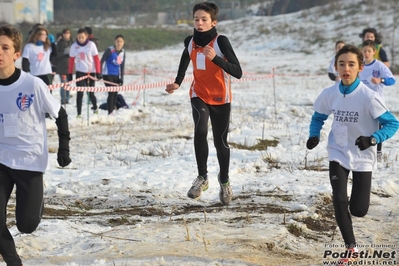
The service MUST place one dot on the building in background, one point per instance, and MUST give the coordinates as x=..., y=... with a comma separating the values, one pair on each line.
x=30, y=11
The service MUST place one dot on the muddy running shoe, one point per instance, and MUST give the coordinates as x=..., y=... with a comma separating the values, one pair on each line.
x=351, y=257
x=225, y=193
x=199, y=185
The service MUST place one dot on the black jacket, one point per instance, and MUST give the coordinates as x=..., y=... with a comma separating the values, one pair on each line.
x=62, y=61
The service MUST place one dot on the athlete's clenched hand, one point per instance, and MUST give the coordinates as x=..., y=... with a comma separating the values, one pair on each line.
x=170, y=88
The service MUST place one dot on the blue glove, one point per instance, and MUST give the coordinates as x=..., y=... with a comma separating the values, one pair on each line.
x=51, y=38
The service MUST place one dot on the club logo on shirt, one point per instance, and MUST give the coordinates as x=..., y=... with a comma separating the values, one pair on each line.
x=24, y=101
x=376, y=73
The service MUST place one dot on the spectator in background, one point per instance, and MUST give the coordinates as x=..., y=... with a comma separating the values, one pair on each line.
x=113, y=68
x=84, y=54
x=372, y=35
x=91, y=36
x=332, y=72
x=37, y=54
x=63, y=48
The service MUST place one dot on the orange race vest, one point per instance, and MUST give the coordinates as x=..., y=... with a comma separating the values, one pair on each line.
x=211, y=83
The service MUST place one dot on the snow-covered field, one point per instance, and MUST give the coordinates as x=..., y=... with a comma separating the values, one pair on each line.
x=123, y=200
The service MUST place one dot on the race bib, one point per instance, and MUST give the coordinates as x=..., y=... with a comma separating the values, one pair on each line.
x=341, y=135
x=201, y=61
x=40, y=56
x=119, y=60
x=10, y=125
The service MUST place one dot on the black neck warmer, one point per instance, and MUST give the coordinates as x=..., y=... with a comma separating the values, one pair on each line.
x=203, y=38
x=10, y=80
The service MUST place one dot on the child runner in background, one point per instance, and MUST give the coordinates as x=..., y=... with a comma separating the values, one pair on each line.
x=113, y=66
x=63, y=48
x=372, y=35
x=357, y=110
x=376, y=75
x=214, y=61
x=332, y=73
x=23, y=142
x=37, y=54
x=84, y=54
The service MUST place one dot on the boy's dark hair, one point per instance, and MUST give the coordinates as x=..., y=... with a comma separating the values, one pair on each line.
x=378, y=37
x=66, y=30
x=14, y=34
x=339, y=42
x=349, y=48
x=208, y=7
x=119, y=36
x=89, y=30
x=83, y=30
x=370, y=43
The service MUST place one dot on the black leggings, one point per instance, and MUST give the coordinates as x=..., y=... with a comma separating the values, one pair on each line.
x=220, y=119
x=111, y=100
x=88, y=82
x=28, y=207
x=359, y=201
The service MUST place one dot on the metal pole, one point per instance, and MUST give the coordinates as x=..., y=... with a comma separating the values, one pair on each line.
x=274, y=93
x=145, y=70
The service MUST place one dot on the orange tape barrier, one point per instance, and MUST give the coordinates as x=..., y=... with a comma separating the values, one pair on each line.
x=133, y=87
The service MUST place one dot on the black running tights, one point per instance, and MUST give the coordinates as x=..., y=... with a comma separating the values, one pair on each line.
x=28, y=207
x=359, y=201
x=220, y=119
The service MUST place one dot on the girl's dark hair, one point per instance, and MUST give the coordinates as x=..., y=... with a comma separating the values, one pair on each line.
x=208, y=7
x=66, y=30
x=378, y=37
x=119, y=36
x=370, y=43
x=349, y=48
